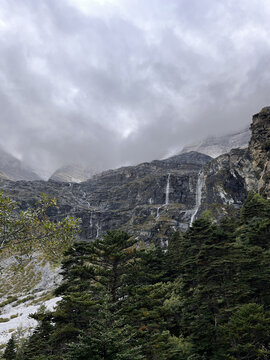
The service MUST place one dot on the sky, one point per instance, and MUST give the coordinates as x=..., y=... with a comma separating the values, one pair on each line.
x=107, y=83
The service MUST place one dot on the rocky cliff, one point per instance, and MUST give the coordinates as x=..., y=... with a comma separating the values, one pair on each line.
x=259, y=148
x=152, y=200
x=228, y=178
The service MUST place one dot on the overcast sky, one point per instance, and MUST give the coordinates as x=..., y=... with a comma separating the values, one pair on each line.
x=113, y=82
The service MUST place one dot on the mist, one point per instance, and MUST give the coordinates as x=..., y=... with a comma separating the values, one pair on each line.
x=117, y=82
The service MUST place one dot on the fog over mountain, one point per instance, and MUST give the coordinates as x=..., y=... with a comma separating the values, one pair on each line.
x=113, y=82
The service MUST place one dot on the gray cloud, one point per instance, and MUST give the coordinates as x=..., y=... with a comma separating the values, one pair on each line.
x=115, y=82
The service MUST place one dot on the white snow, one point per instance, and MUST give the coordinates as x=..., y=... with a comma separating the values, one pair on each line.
x=22, y=321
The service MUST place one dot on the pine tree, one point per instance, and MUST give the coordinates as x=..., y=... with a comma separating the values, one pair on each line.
x=255, y=206
x=173, y=255
x=248, y=333
x=90, y=271
x=10, y=350
x=108, y=337
x=39, y=342
x=74, y=310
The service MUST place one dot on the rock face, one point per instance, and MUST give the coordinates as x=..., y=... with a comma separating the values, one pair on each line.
x=259, y=147
x=226, y=183
x=14, y=169
x=150, y=200
x=72, y=173
x=216, y=146
x=231, y=176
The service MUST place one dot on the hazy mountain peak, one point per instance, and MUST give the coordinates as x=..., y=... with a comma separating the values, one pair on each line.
x=72, y=173
x=218, y=145
x=14, y=169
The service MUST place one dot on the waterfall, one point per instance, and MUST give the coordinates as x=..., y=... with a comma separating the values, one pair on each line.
x=157, y=216
x=198, y=197
x=84, y=198
x=167, y=190
x=91, y=219
x=98, y=227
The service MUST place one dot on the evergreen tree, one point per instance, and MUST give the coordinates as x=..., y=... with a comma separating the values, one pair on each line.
x=173, y=255
x=39, y=342
x=255, y=206
x=205, y=298
x=248, y=333
x=74, y=310
x=108, y=337
x=90, y=271
x=10, y=350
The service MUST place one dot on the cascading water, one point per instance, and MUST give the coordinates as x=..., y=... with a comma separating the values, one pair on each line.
x=91, y=219
x=198, y=197
x=98, y=227
x=157, y=216
x=167, y=190
x=84, y=199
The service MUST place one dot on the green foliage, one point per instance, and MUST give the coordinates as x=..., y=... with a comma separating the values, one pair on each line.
x=10, y=351
x=108, y=337
x=39, y=342
x=255, y=206
x=23, y=232
x=248, y=333
x=205, y=298
x=221, y=267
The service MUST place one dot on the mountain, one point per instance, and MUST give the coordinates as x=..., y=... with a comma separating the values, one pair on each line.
x=146, y=200
x=150, y=201
x=215, y=146
x=72, y=173
x=228, y=178
x=14, y=169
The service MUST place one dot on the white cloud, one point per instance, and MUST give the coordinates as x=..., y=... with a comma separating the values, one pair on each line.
x=111, y=82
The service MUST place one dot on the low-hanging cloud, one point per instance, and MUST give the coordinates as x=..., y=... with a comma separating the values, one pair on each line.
x=114, y=82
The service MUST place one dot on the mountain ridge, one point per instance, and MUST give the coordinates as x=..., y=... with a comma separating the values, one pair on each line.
x=14, y=169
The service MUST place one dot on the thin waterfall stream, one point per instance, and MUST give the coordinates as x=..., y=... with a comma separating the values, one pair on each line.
x=167, y=190
x=198, y=197
x=167, y=193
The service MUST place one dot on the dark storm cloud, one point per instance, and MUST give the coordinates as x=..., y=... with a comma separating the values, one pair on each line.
x=114, y=82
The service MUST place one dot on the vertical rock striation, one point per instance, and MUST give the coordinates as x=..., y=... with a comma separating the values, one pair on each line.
x=259, y=147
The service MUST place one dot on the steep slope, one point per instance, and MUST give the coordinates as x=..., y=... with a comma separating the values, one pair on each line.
x=216, y=146
x=148, y=200
x=14, y=169
x=259, y=148
x=4, y=176
x=151, y=200
x=228, y=178
x=72, y=173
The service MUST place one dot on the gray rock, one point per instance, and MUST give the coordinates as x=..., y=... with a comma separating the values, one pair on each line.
x=150, y=200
